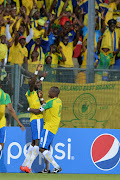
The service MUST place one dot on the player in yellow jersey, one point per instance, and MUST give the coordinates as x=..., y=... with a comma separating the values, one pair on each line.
x=51, y=125
x=36, y=125
x=5, y=101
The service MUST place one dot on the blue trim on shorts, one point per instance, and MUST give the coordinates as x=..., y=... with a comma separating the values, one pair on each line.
x=2, y=134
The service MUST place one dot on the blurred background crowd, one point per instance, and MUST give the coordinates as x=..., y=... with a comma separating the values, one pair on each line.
x=54, y=33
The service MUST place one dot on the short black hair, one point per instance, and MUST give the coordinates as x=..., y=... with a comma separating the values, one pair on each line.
x=56, y=90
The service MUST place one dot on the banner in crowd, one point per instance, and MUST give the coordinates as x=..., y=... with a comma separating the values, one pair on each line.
x=76, y=150
x=95, y=105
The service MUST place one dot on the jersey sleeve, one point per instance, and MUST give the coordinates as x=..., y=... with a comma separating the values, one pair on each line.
x=2, y=97
x=48, y=105
x=8, y=100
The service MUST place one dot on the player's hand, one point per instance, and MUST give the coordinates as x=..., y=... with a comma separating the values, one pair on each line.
x=22, y=127
x=45, y=73
x=40, y=93
x=46, y=25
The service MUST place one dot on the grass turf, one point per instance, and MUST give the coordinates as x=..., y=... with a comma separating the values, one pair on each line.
x=23, y=176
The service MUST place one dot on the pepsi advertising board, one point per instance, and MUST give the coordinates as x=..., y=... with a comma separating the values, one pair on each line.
x=76, y=150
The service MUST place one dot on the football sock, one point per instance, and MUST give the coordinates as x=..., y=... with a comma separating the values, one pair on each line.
x=0, y=147
x=47, y=164
x=28, y=155
x=47, y=154
x=35, y=153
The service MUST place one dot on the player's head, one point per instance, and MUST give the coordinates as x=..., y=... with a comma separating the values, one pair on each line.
x=37, y=85
x=53, y=92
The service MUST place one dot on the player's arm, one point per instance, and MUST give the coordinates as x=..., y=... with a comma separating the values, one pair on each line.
x=42, y=108
x=14, y=115
x=33, y=79
x=36, y=111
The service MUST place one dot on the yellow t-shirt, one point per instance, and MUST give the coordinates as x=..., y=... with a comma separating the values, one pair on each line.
x=32, y=66
x=34, y=103
x=69, y=7
x=18, y=54
x=1, y=1
x=55, y=59
x=108, y=40
x=52, y=114
x=37, y=33
x=3, y=51
x=2, y=30
x=84, y=63
x=28, y=4
x=41, y=56
x=2, y=110
x=2, y=104
x=17, y=25
x=40, y=4
x=48, y=4
x=68, y=52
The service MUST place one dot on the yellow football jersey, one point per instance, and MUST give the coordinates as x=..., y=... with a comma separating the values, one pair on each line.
x=2, y=110
x=52, y=114
x=34, y=103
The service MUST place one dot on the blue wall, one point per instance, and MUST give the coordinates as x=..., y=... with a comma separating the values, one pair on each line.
x=76, y=150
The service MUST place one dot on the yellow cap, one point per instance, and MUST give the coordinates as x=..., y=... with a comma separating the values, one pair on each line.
x=41, y=22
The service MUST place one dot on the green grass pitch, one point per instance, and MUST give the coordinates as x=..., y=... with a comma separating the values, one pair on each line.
x=22, y=176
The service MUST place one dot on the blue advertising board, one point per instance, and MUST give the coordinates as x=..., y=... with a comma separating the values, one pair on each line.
x=76, y=150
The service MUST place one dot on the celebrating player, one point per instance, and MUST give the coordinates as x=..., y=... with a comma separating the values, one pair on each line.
x=36, y=124
x=6, y=101
x=52, y=121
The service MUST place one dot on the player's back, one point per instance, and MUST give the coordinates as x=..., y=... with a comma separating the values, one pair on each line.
x=52, y=114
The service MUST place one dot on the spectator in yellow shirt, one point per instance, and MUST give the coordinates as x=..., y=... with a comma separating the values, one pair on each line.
x=3, y=49
x=111, y=38
x=39, y=31
x=20, y=53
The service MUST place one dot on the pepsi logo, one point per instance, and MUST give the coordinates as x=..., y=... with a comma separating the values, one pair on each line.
x=105, y=152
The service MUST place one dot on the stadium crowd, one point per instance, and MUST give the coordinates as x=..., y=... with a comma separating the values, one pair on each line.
x=55, y=34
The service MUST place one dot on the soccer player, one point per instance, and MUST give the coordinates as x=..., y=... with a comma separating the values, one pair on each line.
x=36, y=125
x=6, y=101
x=52, y=121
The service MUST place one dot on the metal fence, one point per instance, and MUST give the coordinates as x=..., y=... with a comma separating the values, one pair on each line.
x=95, y=101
